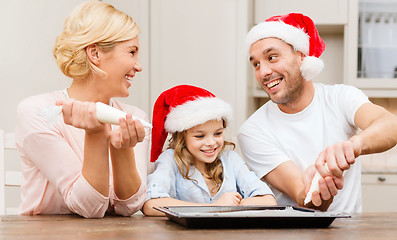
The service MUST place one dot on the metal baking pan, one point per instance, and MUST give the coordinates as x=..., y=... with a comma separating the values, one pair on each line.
x=249, y=216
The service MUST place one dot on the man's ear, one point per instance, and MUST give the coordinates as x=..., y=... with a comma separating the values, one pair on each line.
x=301, y=57
x=93, y=53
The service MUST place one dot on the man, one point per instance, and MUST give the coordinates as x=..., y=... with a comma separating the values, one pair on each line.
x=306, y=125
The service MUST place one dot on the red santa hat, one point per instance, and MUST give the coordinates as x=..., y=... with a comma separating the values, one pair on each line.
x=297, y=30
x=183, y=107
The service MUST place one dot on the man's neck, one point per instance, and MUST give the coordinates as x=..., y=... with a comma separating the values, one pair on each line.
x=302, y=102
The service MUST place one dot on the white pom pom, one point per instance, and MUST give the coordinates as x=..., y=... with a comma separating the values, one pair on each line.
x=311, y=67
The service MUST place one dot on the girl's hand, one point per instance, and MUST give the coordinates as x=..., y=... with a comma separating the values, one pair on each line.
x=128, y=134
x=229, y=199
x=81, y=115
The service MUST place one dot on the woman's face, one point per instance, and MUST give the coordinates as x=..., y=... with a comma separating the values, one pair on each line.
x=120, y=64
x=205, y=142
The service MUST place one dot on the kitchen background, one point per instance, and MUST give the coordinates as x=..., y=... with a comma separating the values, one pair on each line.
x=201, y=42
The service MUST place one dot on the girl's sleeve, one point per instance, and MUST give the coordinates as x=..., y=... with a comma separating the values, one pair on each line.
x=248, y=184
x=162, y=182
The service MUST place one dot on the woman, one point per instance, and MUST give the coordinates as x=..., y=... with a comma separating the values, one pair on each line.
x=79, y=165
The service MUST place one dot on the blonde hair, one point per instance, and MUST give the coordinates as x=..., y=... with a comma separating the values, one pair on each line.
x=184, y=159
x=91, y=22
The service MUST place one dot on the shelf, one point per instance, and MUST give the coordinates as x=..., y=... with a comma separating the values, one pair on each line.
x=380, y=93
x=377, y=83
x=330, y=28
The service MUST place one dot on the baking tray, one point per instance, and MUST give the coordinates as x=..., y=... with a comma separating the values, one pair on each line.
x=249, y=216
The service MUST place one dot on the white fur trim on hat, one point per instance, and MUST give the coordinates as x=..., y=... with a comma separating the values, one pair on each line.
x=289, y=34
x=199, y=111
x=311, y=67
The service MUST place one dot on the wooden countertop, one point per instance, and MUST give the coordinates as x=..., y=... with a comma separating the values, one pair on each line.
x=362, y=226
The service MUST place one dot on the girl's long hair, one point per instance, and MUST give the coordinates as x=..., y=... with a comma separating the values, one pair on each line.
x=184, y=159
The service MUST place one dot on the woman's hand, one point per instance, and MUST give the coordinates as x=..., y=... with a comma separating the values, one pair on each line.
x=128, y=134
x=81, y=115
x=229, y=199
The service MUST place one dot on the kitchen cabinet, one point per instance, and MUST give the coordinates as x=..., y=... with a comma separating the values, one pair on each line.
x=201, y=43
x=377, y=87
x=379, y=191
x=323, y=12
x=379, y=181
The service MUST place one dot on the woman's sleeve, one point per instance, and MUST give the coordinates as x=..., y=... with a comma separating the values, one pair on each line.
x=133, y=204
x=60, y=164
x=58, y=154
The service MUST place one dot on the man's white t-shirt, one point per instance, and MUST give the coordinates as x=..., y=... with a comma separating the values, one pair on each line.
x=270, y=137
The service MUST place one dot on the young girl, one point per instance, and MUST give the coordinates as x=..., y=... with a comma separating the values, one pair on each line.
x=196, y=170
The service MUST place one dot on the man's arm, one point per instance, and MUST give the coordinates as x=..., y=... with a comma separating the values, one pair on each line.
x=379, y=129
x=379, y=134
x=288, y=178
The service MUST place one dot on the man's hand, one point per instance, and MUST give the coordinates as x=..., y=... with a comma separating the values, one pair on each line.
x=328, y=188
x=338, y=157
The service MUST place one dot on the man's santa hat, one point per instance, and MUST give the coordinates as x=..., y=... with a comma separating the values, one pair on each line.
x=297, y=30
x=183, y=107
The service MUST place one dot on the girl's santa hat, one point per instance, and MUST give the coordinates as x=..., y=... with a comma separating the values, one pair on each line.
x=183, y=107
x=297, y=30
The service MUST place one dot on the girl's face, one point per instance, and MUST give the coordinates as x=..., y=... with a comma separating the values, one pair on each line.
x=205, y=142
x=120, y=64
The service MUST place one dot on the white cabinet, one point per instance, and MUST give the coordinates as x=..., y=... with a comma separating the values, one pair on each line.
x=379, y=192
x=321, y=11
x=372, y=86
x=200, y=43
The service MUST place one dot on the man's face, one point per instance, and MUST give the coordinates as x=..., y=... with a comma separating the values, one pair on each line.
x=277, y=70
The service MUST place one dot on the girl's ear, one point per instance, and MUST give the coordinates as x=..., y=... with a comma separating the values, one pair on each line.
x=93, y=53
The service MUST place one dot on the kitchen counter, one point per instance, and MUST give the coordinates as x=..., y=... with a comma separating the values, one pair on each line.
x=360, y=226
x=379, y=163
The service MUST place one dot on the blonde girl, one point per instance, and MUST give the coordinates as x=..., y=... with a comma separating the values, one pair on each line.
x=196, y=169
